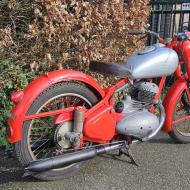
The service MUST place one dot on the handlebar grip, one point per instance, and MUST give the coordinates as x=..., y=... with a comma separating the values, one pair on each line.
x=136, y=32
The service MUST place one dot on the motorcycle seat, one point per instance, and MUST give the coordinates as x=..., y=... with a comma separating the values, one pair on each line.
x=116, y=69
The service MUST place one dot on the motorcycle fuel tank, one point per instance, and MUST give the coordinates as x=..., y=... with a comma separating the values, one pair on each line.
x=152, y=61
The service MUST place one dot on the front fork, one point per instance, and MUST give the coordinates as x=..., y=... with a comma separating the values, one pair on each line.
x=170, y=101
x=187, y=93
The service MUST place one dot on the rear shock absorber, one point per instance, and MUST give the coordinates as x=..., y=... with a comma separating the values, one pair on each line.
x=79, y=120
x=76, y=137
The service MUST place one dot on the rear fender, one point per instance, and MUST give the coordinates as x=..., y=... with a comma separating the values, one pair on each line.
x=170, y=102
x=33, y=90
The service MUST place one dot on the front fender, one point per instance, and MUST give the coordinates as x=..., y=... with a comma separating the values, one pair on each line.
x=32, y=91
x=170, y=102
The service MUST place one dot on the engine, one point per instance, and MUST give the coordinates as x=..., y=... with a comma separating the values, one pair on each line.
x=138, y=121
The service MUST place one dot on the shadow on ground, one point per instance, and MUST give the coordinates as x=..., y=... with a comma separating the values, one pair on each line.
x=10, y=170
x=162, y=141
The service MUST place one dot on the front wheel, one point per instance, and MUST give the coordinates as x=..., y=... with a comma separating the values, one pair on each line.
x=40, y=139
x=181, y=126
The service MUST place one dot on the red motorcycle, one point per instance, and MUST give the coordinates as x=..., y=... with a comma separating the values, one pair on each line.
x=65, y=117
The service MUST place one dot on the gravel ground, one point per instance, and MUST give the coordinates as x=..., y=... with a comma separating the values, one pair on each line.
x=163, y=165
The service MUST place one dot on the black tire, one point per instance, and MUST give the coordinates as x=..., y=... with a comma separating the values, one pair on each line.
x=178, y=134
x=22, y=149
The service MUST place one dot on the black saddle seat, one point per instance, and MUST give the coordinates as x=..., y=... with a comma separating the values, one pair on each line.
x=116, y=69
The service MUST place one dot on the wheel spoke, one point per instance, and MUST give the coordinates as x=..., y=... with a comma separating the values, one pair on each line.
x=41, y=150
x=39, y=139
x=76, y=102
x=40, y=146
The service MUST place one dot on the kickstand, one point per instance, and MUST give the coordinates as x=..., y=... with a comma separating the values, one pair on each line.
x=127, y=152
x=124, y=151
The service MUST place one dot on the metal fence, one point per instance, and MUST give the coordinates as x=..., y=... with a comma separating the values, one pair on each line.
x=168, y=16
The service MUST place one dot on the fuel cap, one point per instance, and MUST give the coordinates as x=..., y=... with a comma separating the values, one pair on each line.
x=146, y=50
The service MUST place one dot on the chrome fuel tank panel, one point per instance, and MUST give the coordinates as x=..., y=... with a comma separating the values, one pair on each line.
x=151, y=62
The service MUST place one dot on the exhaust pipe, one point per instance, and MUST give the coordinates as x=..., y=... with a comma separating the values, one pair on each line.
x=162, y=120
x=70, y=158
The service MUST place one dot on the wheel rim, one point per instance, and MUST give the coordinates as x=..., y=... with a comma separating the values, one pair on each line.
x=40, y=134
x=182, y=110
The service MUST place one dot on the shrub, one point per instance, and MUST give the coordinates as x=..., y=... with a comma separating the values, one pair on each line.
x=69, y=33
x=12, y=77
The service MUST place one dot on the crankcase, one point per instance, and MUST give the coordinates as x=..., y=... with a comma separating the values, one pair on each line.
x=138, y=124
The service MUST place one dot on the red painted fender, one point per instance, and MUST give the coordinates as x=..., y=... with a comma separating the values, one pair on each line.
x=39, y=85
x=170, y=101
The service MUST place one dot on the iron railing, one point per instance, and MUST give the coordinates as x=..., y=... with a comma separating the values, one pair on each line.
x=168, y=16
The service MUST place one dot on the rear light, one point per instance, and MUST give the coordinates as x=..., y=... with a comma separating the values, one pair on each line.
x=17, y=96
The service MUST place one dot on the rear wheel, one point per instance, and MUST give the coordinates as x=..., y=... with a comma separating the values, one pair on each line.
x=181, y=127
x=40, y=139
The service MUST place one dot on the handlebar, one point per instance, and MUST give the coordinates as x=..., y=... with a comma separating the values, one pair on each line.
x=136, y=32
x=148, y=32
